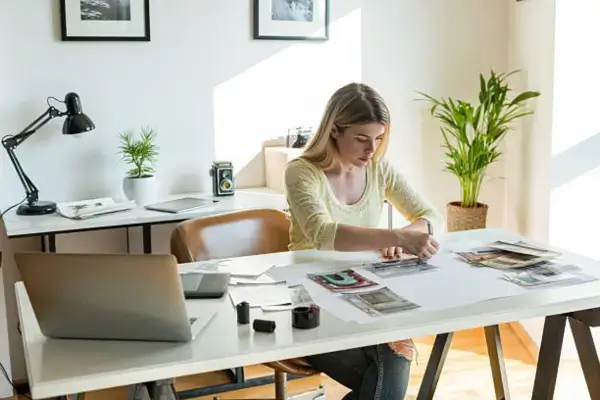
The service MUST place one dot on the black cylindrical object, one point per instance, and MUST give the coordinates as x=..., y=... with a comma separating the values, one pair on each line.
x=306, y=317
x=263, y=325
x=243, y=313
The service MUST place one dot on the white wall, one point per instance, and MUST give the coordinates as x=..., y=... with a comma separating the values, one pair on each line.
x=438, y=47
x=202, y=82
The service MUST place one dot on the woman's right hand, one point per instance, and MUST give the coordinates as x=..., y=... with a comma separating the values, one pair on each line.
x=418, y=243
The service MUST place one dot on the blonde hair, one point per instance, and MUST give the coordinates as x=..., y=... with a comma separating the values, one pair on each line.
x=353, y=104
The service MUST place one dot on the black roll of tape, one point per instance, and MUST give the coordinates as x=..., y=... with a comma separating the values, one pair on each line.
x=243, y=313
x=263, y=325
x=306, y=317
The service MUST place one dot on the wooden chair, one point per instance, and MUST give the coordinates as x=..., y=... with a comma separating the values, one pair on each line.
x=238, y=234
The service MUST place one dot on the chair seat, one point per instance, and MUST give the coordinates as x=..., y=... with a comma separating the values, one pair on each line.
x=294, y=366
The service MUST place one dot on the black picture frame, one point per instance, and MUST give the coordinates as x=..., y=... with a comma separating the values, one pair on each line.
x=278, y=29
x=72, y=21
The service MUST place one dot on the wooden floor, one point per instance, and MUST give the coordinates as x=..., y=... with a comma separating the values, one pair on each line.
x=466, y=374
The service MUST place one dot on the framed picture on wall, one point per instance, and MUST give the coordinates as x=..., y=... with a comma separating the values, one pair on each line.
x=105, y=20
x=291, y=19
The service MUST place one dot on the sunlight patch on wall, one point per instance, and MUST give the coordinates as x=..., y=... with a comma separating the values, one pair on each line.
x=286, y=90
x=575, y=196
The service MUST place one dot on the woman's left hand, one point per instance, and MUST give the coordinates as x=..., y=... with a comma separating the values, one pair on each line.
x=391, y=252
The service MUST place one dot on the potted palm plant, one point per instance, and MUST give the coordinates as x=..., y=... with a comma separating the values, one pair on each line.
x=139, y=154
x=472, y=135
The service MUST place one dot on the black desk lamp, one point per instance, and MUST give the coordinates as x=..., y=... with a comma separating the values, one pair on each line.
x=76, y=122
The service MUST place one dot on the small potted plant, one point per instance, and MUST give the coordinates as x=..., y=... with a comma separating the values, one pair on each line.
x=472, y=136
x=140, y=155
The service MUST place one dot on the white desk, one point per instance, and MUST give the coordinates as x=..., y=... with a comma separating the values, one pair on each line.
x=52, y=224
x=61, y=367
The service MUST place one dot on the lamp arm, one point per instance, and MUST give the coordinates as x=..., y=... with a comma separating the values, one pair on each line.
x=14, y=141
x=11, y=142
x=31, y=191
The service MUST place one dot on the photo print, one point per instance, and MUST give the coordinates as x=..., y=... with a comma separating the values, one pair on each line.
x=379, y=302
x=291, y=19
x=342, y=281
x=292, y=10
x=396, y=268
x=105, y=10
x=105, y=20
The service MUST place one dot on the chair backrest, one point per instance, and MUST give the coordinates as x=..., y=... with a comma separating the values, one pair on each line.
x=235, y=234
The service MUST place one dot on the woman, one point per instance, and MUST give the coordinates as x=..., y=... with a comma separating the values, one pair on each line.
x=335, y=192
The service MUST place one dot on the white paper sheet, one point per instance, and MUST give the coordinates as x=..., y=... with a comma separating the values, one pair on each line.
x=260, y=280
x=261, y=295
x=236, y=267
x=453, y=284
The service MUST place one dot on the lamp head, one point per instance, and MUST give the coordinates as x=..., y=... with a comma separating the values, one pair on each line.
x=76, y=121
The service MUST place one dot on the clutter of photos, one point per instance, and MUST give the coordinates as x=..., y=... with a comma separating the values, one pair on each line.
x=367, y=295
x=367, y=291
x=526, y=265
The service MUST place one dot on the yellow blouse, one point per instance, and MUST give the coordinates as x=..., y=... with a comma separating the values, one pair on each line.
x=315, y=211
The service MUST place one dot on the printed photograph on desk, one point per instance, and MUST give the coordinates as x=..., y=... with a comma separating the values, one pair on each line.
x=379, y=302
x=342, y=280
x=547, y=274
x=497, y=258
x=401, y=267
x=524, y=248
x=300, y=296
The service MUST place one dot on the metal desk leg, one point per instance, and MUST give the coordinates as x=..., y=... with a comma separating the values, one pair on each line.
x=238, y=375
x=496, y=356
x=549, y=357
x=441, y=346
x=51, y=248
x=147, y=238
x=588, y=356
x=52, y=243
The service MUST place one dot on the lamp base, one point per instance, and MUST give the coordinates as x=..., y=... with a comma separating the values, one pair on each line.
x=37, y=208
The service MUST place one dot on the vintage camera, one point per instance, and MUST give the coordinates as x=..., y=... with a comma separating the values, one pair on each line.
x=298, y=137
x=222, y=178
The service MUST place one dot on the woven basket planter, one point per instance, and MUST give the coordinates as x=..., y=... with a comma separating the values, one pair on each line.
x=465, y=218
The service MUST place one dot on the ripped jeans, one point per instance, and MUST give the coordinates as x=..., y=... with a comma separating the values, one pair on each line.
x=371, y=373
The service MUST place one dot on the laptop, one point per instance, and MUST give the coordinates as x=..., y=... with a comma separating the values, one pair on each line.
x=200, y=285
x=109, y=296
x=181, y=205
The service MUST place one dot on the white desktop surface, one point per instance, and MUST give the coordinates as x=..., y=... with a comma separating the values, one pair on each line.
x=20, y=225
x=59, y=367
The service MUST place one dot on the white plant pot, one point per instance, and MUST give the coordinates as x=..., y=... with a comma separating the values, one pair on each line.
x=142, y=190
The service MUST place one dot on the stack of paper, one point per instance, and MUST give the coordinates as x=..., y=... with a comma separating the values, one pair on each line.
x=85, y=209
